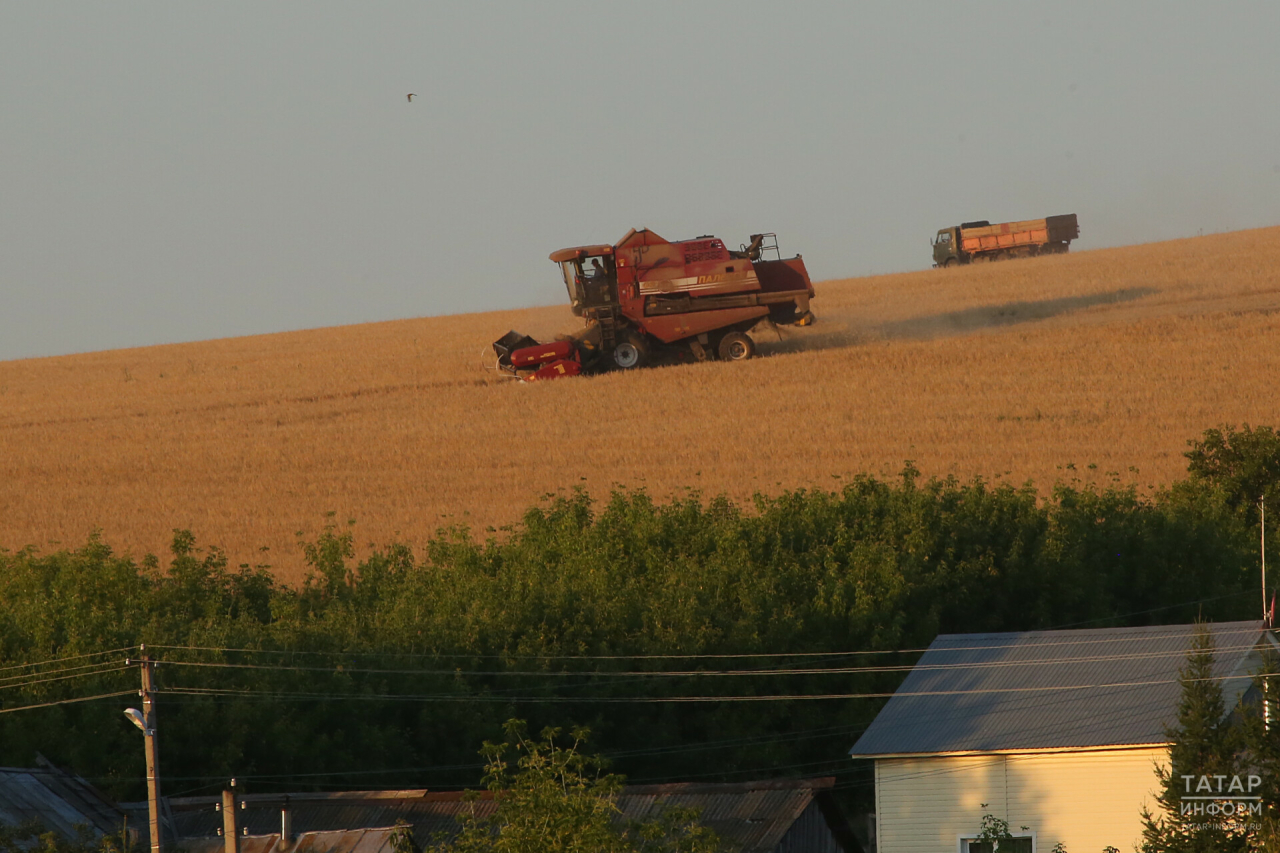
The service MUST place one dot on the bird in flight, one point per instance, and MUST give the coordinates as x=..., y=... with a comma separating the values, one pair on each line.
x=410, y=96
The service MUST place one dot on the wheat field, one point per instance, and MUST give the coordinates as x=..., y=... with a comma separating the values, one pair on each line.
x=1097, y=365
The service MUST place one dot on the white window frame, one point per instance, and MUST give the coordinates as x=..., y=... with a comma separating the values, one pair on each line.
x=962, y=841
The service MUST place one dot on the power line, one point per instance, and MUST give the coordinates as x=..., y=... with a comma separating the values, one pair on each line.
x=674, y=656
x=30, y=679
x=795, y=697
x=638, y=674
x=101, y=669
x=68, y=701
x=440, y=697
x=106, y=668
x=1152, y=610
x=329, y=696
x=645, y=674
x=830, y=732
x=275, y=695
x=1048, y=722
x=64, y=660
x=1138, y=636
x=322, y=774
x=470, y=656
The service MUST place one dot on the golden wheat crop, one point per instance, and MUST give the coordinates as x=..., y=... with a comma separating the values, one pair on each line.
x=1014, y=371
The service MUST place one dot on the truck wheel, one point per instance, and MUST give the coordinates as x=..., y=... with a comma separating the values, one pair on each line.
x=736, y=346
x=631, y=353
x=951, y=262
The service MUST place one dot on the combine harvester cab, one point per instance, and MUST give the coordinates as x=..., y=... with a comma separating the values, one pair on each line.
x=647, y=300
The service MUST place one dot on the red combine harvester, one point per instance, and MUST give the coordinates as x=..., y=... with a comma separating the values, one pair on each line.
x=647, y=300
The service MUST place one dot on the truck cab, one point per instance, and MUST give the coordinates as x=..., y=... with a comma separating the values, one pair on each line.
x=946, y=247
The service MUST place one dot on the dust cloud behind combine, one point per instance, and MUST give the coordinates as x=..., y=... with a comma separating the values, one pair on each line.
x=1012, y=371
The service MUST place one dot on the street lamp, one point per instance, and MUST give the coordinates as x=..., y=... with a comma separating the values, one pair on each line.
x=135, y=717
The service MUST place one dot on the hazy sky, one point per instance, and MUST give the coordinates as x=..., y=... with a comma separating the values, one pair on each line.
x=179, y=171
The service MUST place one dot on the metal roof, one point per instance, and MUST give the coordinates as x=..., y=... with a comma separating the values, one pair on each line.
x=1052, y=689
x=350, y=841
x=59, y=801
x=753, y=816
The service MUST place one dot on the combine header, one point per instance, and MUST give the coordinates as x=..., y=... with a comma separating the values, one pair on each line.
x=646, y=300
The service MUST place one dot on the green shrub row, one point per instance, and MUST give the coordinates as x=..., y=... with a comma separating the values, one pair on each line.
x=390, y=671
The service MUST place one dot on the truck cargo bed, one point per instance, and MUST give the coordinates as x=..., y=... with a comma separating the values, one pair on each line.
x=1028, y=232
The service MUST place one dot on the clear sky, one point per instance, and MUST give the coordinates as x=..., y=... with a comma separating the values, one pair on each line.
x=180, y=171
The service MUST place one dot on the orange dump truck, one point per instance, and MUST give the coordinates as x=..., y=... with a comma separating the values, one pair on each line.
x=982, y=241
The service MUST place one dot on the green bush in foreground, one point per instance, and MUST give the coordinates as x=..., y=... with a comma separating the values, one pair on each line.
x=554, y=798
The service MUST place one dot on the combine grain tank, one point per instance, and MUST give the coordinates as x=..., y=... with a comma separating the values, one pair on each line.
x=982, y=241
x=647, y=300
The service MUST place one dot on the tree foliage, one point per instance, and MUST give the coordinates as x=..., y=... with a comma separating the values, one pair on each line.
x=1205, y=745
x=1260, y=734
x=994, y=836
x=555, y=799
x=1243, y=463
x=31, y=836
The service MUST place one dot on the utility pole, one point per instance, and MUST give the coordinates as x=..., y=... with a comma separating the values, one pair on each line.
x=1266, y=615
x=152, y=750
x=230, y=832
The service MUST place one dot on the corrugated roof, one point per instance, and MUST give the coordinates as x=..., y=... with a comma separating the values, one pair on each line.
x=429, y=812
x=1051, y=689
x=59, y=801
x=752, y=816
x=350, y=841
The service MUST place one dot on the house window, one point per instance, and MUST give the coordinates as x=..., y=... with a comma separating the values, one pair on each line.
x=1017, y=844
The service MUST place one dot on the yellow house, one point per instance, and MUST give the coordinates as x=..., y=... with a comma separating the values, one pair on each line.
x=1056, y=732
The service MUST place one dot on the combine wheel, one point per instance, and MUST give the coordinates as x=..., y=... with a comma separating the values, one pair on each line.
x=630, y=353
x=736, y=346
